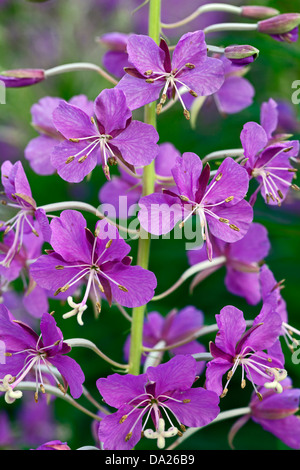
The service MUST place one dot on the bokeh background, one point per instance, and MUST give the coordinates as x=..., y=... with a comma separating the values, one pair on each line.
x=43, y=35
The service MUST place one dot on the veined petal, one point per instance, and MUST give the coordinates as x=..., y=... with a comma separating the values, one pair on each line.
x=191, y=48
x=72, y=122
x=111, y=111
x=145, y=54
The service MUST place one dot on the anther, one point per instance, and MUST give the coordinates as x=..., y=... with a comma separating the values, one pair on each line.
x=186, y=400
x=158, y=108
x=92, y=120
x=243, y=384
x=224, y=221
x=219, y=176
x=148, y=72
x=295, y=187
x=149, y=80
x=190, y=66
x=70, y=159
x=128, y=436
x=234, y=227
x=193, y=93
x=74, y=140
x=123, y=419
x=122, y=288
x=186, y=114
x=42, y=388
x=229, y=199
x=36, y=397
x=259, y=396
x=61, y=388
x=225, y=391
x=108, y=244
x=59, y=267
x=82, y=159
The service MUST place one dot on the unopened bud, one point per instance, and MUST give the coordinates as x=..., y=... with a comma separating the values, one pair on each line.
x=259, y=13
x=241, y=55
x=282, y=27
x=22, y=77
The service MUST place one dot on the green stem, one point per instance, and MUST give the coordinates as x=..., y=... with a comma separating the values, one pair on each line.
x=148, y=188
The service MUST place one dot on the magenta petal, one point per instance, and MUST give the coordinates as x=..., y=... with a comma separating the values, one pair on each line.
x=111, y=111
x=240, y=215
x=231, y=325
x=166, y=159
x=235, y=95
x=70, y=247
x=112, y=433
x=138, y=92
x=269, y=117
x=186, y=174
x=145, y=54
x=205, y=79
x=36, y=302
x=201, y=410
x=254, y=139
x=115, y=62
x=74, y=171
x=220, y=189
x=72, y=122
x=118, y=390
x=42, y=116
x=159, y=213
x=244, y=284
x=72, y=373
x=137, y=143
x=191, y=48
x=116, y=192
x=139, y=283
x=254, y=247
x=214, y=374
x=177, y=374
x=38, y=153
x=286, y=429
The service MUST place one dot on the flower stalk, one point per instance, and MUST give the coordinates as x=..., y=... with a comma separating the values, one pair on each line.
x=148, y=188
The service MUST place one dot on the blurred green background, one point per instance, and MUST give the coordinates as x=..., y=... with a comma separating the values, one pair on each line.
x=63, y=31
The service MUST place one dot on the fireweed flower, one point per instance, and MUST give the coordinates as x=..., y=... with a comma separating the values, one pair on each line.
x=234, y=346
x=100, y=258
x=108, y=137
x=153, y=71
x=220, y=205
x=19, y=209
x=26, y=351
x=242, y=262
x=283, y=28
x=162, y=393
x=269, y=162
x=116, y=58
x=275, y=413
x=175, y=327
x=39, y=149
x=129, y=187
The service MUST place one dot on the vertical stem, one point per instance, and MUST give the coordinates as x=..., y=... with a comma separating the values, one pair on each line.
x=148, y=188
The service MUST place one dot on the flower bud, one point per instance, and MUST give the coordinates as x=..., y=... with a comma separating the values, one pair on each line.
x=282, y=27
x=259, y=13
x=241, y=55
x=22, y=77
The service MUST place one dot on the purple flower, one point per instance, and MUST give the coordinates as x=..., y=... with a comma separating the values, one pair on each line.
x=176, y=327
x=162, y=392
x=19, y=208
x=234, y=346
x=108, y=137
x=101, y=258
x=38, y=151
x=275, y=413
x=26, y=351
x=268, y=160
x=128, y=188
x=153, y=71
x=220, y=205
x=242, y=261
x=116, y=58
